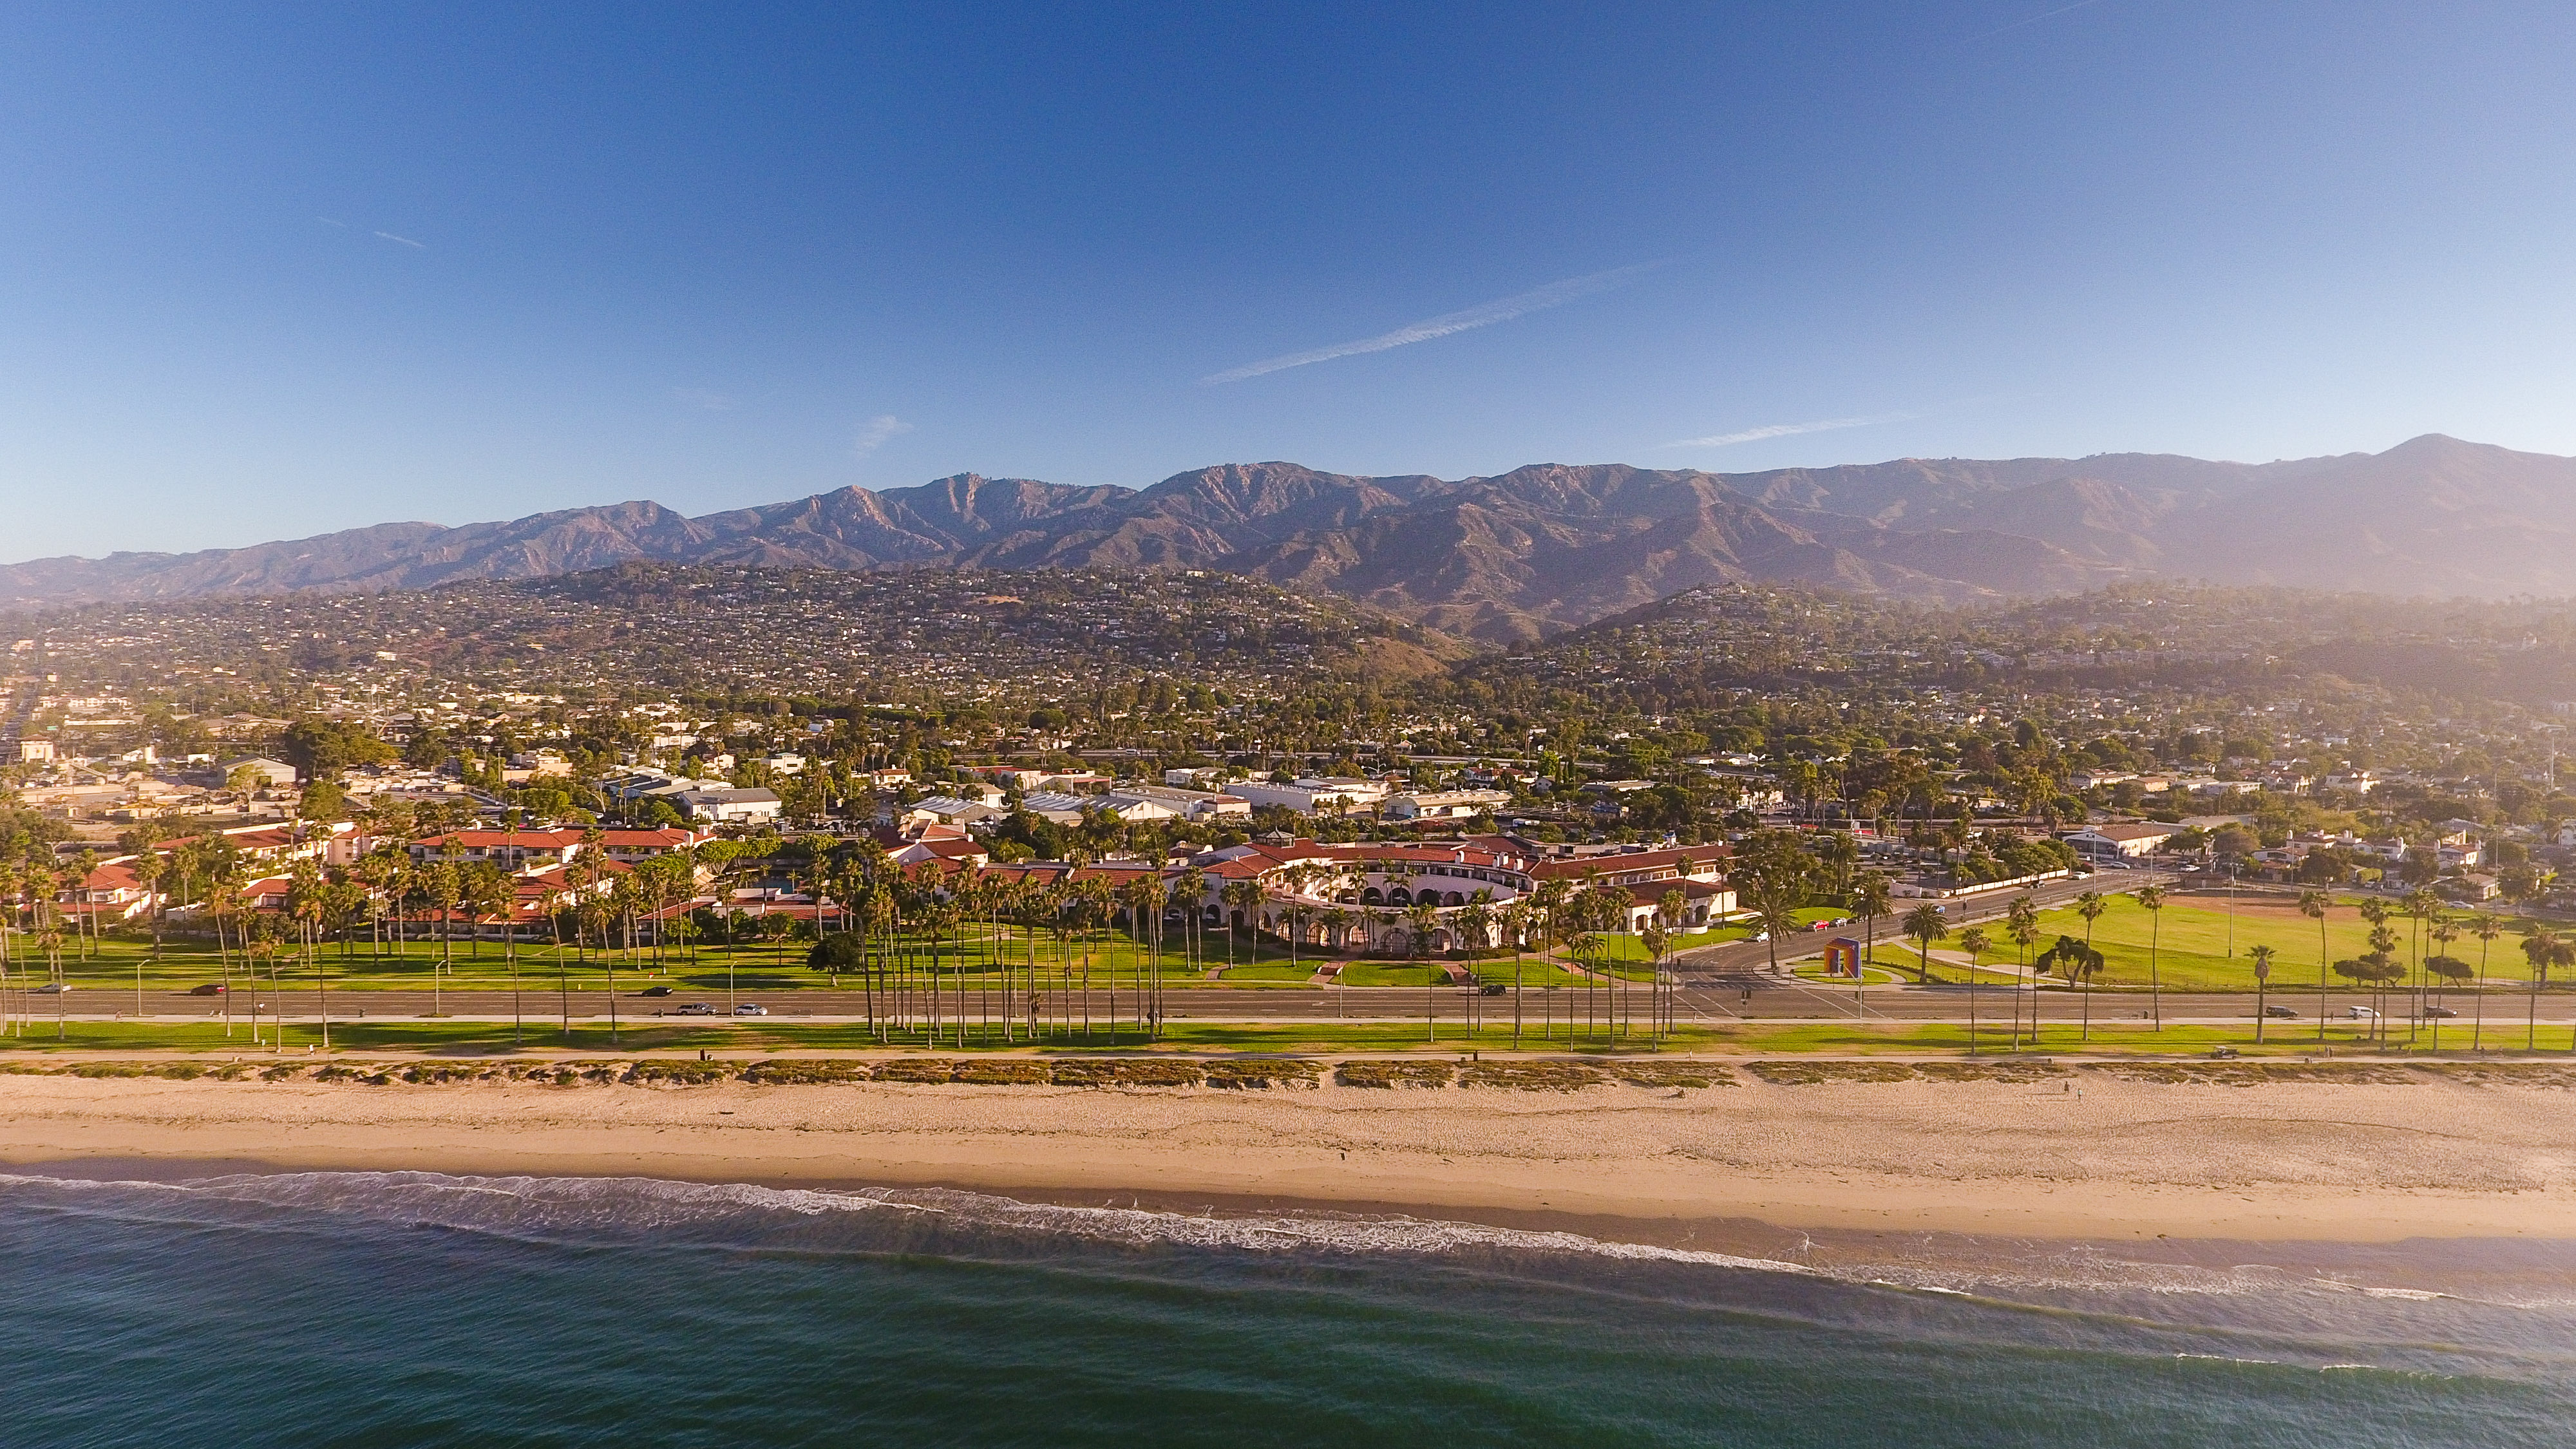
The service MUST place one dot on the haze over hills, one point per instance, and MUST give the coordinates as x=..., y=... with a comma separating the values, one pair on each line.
x=1543, y=547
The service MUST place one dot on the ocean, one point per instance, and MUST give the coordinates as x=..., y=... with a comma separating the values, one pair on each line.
x=384, y=1309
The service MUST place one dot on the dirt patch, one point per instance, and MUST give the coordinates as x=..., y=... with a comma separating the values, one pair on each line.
x=1008, y=1072
x=2038, y=1070
x=1127, y=1072
x=1809, y=1074
x=682, y=1074
x=1392, y=1074
x=817, y=1072
x=1672, y=1074
x=1262, y=1073
x=2503, y=1074
x=1532, y=1076
x=2255, y=1074
x=915, y=1069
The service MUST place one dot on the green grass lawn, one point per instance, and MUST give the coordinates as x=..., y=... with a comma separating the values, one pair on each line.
x=2192, y=940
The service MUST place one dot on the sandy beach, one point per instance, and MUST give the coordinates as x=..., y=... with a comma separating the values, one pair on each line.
x=2102, y=1152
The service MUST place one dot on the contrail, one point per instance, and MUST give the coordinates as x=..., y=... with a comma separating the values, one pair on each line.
x=1787, y=430
x=406, y=241
x=2035, y=19
x=1554, y=294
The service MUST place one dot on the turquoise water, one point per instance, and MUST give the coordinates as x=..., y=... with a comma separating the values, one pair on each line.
x=397, y=1309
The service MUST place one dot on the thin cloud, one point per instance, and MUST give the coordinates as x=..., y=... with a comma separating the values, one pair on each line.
x=703, y=398
x=406, y=241
x=2035, y=19
x=1554, y=294
x=1790, y=430
x=879, y=431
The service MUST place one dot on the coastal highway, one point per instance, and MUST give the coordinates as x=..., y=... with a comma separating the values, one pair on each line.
x=1773, y=999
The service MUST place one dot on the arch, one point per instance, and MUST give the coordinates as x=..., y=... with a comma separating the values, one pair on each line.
x=1453, y=899
x=1372, y=897
x=1399, y=896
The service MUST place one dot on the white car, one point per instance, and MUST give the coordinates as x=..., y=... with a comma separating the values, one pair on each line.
x=750, y=1009
x=2359, y=1013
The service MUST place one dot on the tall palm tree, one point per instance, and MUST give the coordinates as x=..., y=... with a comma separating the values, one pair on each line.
x=1242, y=899
x=2314, y=904
x=1419, y=918
x=1515, y=920
x=2486, y=926
x=1872, y=897
x=1975, y=942
x=2021, y=927
x=2441, y=931
x=2152, y=900
x=2262, y=976
x=2544, y=949
x=1924, y=925
x=2090, y=906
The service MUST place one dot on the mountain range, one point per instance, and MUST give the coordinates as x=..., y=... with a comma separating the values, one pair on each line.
x=1543, y=547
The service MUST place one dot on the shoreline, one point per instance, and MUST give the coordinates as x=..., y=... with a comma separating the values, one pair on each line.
x=2107, y=1157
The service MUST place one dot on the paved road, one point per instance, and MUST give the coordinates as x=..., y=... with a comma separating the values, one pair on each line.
x=1706, y=998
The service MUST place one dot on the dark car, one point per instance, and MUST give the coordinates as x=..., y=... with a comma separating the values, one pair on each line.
x=2279, y=1013
x=209, y=989
x=694, y=1008
x=2439, y=1011
x=654, y=991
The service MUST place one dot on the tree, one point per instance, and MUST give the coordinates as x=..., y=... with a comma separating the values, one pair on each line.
x=2152, y=900
x=1872, y=897
x=1925, y=925
x=2090, y=906
x=2021, y=926
x=2543, y=948
x=2486, y=926
x=2262, y=976
x=1771, y=876
x=2077, y=962
x=2313, y=904
x=1973, y=941
x=1243, y=902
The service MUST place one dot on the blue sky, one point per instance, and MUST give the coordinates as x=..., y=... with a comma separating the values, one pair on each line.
x=273, y=271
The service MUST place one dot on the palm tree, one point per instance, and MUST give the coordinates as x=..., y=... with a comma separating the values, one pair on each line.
x=1515, y=917
x=2152, y=900
x=2441, y=930
x=2090, y=906
x=2313, y=904
x=1242, y=899
x=1419, y=918
x=2021, y=926
x=1872, y=897
x=1973, y=941
x=2262, y=975
x=2486, y=926
x=1924, y=925
x=2544, y=950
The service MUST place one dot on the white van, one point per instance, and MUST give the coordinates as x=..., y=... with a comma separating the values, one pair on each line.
x=2358, y=1013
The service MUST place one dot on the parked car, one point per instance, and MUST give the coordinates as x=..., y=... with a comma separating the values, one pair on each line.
x=211, y=988
x=693, y=1008
x=750, y=1008
x=2280, y=1013
x=654, y=991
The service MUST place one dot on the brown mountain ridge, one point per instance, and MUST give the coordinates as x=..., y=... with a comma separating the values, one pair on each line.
x=1543, y=547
